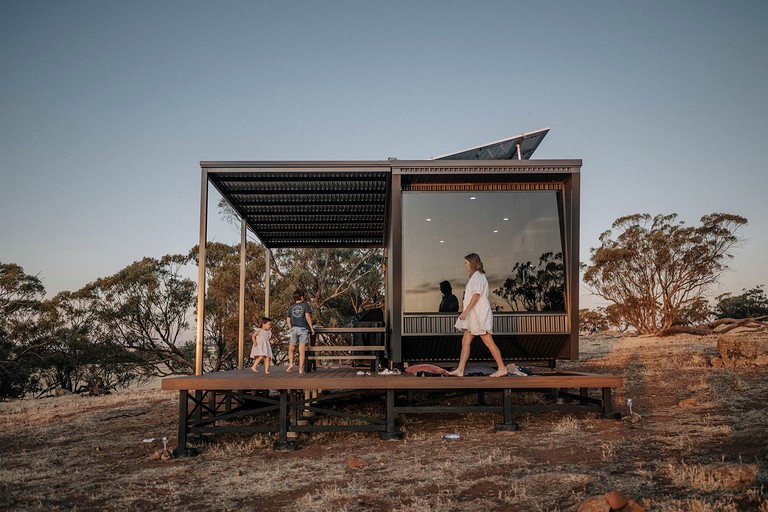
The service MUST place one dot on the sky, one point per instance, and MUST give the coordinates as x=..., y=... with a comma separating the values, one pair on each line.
x=107, y=107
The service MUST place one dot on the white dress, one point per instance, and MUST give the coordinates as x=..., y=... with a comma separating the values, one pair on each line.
x=262, y=347
x=480, y=318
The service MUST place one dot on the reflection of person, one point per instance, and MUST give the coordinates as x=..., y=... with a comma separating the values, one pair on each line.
x=262, y=344
x=449, y=303
x=476, y=318
x=299, y=320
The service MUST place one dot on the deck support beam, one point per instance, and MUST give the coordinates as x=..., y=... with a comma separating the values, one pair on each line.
x=282, y=444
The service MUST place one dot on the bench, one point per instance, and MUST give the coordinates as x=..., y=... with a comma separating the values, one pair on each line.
x=372, y=353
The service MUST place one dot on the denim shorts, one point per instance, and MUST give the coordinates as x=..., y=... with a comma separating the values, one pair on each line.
x=299, y=335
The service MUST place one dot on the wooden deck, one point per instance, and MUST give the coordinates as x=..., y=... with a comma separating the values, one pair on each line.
x=287, y=402
x=346, y=378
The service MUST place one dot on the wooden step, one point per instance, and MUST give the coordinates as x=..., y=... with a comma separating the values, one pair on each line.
x=346, y=348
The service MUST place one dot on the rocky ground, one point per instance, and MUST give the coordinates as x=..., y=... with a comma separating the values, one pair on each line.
x=697, y=441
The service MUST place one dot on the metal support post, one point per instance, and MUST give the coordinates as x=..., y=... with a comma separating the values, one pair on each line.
x=507, y=425
x=241, y=309
x=181, y=449
x=390, y=434
x=282, y=444
x=608, y=404
x=267, y=278
x=200, y=340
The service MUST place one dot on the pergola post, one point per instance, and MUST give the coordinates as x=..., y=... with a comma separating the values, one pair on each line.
x=267, y=277
x=201, y=274
x=241, y=323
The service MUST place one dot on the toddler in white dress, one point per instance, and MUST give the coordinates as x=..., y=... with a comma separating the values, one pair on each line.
x=262, y=344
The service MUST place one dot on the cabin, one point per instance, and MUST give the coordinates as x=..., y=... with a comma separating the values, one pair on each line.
x=519, y=214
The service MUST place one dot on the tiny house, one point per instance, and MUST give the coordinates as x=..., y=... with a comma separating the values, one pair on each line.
x=520, y=215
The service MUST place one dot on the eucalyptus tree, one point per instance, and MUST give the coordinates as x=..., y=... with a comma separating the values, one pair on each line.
x=656, y=270
x=146, y=307
x=20, y=339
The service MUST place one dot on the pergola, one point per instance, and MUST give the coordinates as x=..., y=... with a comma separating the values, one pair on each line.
x=359, y=204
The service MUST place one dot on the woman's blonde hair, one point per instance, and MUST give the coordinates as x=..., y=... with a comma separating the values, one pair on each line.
x=475, y=263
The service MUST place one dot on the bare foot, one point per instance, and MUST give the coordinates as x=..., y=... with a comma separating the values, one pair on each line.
x=254, y=370
x=301, y=372
x=456, y=373
x=501, y=372
x=288, y=370
x=266, y=372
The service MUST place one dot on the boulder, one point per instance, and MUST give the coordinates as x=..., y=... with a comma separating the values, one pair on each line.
x=632, y=506
x=616, y=500
x=743, y=349
x=687, y=403
x=595, y=504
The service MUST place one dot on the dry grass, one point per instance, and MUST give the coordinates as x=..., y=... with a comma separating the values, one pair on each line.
x=87, y=453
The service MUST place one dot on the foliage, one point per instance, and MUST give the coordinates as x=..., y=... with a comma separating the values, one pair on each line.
x=592, y=321
x=144, y=308
x=339, y=283
x=20, y=340
x=655, y=269
x=80, y=353
x=536, y=288
x=222, y=299
x=753, y=303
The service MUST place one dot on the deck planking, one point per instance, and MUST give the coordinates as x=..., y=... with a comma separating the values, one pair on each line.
x=347, y=378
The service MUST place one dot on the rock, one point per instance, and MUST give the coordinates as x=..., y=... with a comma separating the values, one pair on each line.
x=616, y=500
x=733, y=476
x=687, y=403
x=356, y=463
x=595, y=504
x=161, y=455
x=632, y=506
x=717, y=362
x=744, y=349
x=239, y=472
x=62, y=392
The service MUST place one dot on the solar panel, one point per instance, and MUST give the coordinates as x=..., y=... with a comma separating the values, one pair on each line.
x=505, y=149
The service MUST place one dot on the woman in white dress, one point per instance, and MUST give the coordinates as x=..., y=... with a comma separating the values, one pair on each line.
x=476, y=318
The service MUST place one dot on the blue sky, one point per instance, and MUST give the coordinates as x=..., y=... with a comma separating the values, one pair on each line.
x=107, y=107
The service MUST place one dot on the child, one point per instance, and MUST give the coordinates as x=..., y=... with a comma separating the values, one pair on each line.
x=262, y=344
x=299, y=320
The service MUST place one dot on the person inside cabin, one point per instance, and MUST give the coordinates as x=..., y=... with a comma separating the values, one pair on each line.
x=449, y=303
x=262, y=344
x=299, y=318
x=476, y=318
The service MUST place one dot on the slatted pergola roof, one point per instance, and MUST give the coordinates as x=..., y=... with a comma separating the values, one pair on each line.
x=305, y=204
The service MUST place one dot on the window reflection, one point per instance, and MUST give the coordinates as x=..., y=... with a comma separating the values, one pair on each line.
x=516, y=233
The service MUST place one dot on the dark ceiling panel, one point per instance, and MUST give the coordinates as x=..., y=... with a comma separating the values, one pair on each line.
x=309, y=209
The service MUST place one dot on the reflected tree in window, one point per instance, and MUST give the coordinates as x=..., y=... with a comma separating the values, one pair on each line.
x=539, y=287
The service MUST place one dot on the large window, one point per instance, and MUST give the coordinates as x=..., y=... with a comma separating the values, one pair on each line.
x=516, y=233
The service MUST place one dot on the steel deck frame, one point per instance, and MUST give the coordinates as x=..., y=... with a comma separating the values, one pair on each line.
x=282, y=403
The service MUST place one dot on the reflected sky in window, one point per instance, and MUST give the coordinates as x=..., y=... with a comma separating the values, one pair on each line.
x=505, y=228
